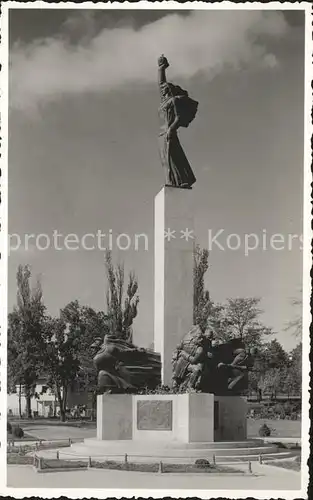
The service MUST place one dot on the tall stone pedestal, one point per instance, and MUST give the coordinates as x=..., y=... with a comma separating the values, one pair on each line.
x=173, y=273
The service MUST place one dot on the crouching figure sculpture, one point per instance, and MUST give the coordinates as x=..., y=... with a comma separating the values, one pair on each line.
x=201, y=364
x=123, y=367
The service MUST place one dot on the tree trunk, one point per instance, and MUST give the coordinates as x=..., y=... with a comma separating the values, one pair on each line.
x=20, y=401
x=94, y=404
x=64, y=401
x=60, y=399
x=28, y=402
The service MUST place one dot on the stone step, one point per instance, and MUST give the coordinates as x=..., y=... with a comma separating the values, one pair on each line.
x=250, y=443
x=158, y=450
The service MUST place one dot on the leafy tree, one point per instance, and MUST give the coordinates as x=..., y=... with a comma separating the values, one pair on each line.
x=274, y=355
x=25, y=340
x=88, y=326
x=293, y=378
x=15, y=368
x=271, y=369
x=121, y=305
x=61, y=359
x=206, y=314
x=271, y=382
x=240, y=319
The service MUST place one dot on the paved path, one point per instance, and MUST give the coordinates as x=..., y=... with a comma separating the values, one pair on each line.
x=271, y=479
x=41, y=431
x=55, y=432
x=286, y=440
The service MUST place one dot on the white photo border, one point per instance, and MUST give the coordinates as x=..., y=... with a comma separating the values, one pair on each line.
x=307, y=259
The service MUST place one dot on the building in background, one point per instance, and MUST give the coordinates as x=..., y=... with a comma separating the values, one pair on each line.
x=45, y=403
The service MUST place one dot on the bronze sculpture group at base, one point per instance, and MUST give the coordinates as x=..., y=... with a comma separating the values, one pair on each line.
x=201, y=364
x=197, y=365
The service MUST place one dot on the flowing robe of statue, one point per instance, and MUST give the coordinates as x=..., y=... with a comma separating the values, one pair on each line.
x=177, y=109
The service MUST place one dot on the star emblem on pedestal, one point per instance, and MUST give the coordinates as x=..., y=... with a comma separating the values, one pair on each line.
x=187, y=234
x=169, y=234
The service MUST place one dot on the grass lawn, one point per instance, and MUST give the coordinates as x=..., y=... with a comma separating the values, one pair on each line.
x=281, y=428
x=63, y=464
x=17, y=459
x=56, y=432
x=26, y=437
x=138, y=467
x=288, y=464
x=84, y=424
x=166, y=468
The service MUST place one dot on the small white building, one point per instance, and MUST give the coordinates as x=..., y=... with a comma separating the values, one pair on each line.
x=43, y=404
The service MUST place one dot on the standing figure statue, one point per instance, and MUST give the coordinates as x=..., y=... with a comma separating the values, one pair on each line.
x=177, y=109
x=191, y=357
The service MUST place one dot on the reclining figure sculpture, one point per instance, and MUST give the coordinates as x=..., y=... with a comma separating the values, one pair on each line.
x=123, y=367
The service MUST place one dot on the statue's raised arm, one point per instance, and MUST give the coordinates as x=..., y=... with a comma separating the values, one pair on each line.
x=162, y=64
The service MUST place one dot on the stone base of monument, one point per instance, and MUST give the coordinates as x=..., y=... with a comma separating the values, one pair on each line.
x=173, y=418
x=172, y=428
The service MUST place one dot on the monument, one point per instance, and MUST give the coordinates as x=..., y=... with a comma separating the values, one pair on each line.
x=203, y=403
x=187, y=394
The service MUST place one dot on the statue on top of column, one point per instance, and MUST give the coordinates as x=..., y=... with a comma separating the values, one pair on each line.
x=176, y=110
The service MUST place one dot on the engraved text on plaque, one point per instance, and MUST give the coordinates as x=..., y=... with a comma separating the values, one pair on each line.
x=154, y=415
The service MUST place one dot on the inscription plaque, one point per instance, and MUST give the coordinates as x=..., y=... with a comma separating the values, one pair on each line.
x=154, y=415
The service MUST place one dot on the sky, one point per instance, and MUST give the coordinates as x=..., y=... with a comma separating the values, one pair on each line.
x=83, y=157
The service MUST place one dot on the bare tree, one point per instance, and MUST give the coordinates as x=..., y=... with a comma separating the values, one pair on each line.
x=295, y=325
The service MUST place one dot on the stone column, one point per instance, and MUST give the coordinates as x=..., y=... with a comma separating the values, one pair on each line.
x=173, y=272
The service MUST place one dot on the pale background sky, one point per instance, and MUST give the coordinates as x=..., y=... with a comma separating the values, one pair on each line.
x=83, y=145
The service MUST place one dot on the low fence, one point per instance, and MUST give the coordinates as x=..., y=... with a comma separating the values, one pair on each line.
x=132, y=463
x=17, y=446
x=26, y=454
x=43, y=464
